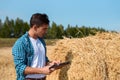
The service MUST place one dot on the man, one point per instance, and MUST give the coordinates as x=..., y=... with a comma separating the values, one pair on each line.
x=29, y=51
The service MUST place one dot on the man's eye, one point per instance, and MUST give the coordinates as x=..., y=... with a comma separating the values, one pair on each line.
x=45, y=29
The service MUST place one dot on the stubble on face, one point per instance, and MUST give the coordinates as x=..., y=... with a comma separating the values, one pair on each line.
x=41, y=30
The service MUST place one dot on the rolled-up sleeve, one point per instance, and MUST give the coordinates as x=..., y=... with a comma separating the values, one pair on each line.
x=18, y=53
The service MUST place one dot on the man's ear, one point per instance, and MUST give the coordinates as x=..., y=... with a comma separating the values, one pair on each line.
x=35, y=27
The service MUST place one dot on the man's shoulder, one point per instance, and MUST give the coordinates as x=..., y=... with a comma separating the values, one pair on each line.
x=23, y=39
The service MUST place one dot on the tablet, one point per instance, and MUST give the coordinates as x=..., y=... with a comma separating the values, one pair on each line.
x=56, y=66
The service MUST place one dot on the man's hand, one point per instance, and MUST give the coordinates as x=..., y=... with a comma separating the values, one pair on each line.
x=46, y=70
x=54, y=63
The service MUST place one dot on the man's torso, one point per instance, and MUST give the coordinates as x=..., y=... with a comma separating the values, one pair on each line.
x=39, y=57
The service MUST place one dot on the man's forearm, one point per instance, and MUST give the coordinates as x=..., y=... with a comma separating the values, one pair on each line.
x=30, y=70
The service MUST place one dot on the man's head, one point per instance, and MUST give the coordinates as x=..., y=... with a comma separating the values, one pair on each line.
x=39, y=24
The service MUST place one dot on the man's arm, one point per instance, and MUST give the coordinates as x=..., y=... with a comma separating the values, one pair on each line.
x=18, y=53
x=44, y=70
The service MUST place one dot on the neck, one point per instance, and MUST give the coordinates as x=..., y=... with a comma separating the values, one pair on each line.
x=32, y=34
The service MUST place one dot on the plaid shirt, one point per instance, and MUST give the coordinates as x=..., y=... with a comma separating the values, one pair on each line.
x=23, y=53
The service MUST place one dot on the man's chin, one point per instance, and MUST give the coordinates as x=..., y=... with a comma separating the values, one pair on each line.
x=41, y=36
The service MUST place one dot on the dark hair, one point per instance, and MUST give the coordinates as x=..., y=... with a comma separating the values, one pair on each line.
x=39, y=19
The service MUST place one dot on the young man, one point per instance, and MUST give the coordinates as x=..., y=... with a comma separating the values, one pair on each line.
x=29, y=51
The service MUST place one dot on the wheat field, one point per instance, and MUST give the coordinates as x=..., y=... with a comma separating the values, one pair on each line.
x=92, y=58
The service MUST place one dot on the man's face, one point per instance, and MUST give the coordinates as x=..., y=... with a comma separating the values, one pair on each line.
x=41, y=30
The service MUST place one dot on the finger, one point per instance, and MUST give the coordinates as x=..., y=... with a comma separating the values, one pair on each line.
x=52, y=69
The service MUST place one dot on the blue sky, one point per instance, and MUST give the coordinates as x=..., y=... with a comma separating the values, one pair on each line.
x=94, y=13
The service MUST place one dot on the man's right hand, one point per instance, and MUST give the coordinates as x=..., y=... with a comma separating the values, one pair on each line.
x=46, y=70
